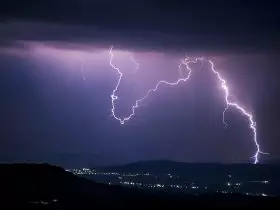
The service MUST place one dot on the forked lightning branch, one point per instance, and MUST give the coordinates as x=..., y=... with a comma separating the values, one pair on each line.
x=184, y=65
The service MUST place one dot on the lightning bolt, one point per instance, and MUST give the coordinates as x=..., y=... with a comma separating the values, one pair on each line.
x=229, y=103
x=137, y=103
x=113, y=95
x=186, y=62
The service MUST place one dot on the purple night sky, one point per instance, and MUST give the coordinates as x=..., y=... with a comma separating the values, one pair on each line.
x=56, y=82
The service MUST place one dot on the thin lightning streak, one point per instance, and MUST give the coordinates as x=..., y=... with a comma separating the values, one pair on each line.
x=186, y=62
x=136, y=105
x=113, y=96
x=224, y=112
x=240, y=108
x=82, y=70
x=137, y=65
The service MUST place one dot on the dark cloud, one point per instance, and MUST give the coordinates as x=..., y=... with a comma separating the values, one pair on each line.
x=186, y=25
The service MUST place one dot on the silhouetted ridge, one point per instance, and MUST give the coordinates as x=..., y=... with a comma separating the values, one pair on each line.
x=37, y=186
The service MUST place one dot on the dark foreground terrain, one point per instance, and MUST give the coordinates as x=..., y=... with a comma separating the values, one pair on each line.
x=41, y=186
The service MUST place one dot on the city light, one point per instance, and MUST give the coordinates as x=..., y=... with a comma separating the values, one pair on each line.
x=160, y=182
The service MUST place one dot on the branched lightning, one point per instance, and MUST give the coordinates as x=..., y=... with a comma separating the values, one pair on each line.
x=185, y=62
x=229, y=103
x=137, y=103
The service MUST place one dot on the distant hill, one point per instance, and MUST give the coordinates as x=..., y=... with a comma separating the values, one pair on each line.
x=41, y=186
x=30, y=183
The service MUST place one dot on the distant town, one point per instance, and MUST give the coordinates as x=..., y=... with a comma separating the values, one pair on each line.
x=172, y=182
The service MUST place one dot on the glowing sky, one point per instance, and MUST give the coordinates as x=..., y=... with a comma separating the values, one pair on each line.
x=56, y=80
x=66, y=110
